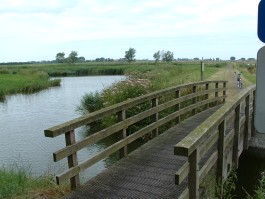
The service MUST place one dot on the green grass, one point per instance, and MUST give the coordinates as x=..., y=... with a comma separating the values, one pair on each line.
x=25, y=81
x=17, y=182
x=35, y=77
x=248, y=70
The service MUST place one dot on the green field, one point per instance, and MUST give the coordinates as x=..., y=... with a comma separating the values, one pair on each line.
x=34, y=77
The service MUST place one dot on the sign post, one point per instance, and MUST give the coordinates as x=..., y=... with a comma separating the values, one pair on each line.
x=260, y=74
x=202, y=70
x=260, y=92
x=261, y=21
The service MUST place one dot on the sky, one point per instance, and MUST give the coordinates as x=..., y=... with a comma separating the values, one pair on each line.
x=36, y=30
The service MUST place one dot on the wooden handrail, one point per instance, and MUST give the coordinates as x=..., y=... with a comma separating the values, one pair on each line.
x=199, y=96
x=87, y=119
x=214, y=132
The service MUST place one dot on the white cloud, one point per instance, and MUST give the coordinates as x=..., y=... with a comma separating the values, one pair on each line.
x=60, y=23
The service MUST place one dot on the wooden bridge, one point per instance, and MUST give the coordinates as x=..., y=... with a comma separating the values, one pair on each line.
x=193, y=131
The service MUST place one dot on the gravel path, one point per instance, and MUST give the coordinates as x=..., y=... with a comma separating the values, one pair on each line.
x=230, y=74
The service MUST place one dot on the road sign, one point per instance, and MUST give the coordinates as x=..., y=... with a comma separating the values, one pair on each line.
x=261, y=21
x=259, y=121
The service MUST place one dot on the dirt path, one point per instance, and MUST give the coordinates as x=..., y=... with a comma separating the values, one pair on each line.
x=230, y=74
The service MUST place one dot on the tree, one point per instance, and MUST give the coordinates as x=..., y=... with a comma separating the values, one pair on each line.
x=232, y=58
x=60, y=57
x=168, y=56
x=157, y=56
x=130, y=54
x=81, y=59
x=72, y=58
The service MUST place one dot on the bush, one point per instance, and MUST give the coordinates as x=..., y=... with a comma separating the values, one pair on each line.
x=90, y=103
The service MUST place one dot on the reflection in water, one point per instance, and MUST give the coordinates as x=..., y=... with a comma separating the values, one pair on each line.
x=23, y=119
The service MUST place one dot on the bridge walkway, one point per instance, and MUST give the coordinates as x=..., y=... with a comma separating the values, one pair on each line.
x=148, y=172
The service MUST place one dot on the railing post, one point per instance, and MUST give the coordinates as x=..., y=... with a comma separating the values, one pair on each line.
x=193, y=175
x=224, y=91
x=72, y=159
x=236, y=136
x=194, y=100
x=253, y=114
x=122, y=116
x=178, y=106
x=155, y=116
x=220, y=160
x=246, y=126
x=216, y=93
x=207, y=95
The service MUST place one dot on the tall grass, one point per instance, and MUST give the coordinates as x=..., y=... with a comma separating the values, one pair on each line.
x=248, y=70
x=140, y=82
x=17, y=182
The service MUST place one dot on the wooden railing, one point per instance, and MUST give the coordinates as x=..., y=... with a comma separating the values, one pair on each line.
x=183, y=99
x=218, y=141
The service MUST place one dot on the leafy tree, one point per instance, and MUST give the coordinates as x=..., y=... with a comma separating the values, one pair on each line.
x=81, y=59
x=157, y=56
x=60, y=57
x=232, y=58
x=168, y=56
x=130, y=54
x=72, y=58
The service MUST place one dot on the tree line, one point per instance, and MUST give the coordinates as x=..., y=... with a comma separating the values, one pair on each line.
x=129, y=56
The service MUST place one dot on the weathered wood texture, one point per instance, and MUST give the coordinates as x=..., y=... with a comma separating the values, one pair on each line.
x=188, y=98
x=220, y=139
x=148, y=172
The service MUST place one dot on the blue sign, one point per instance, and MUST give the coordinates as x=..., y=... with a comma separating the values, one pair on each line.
x=261, y=21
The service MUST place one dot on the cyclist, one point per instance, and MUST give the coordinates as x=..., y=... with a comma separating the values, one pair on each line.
x=239, y=81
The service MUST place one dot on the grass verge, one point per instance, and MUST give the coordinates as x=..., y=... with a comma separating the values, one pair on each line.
x=17, y=182
x=25, y=81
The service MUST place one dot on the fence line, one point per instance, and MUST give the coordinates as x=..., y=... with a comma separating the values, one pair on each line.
x=159, y=108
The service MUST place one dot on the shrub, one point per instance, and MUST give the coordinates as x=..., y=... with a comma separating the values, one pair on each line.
x=90, y=103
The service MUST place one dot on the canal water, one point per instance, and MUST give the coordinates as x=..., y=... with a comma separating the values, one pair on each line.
x=23, y=119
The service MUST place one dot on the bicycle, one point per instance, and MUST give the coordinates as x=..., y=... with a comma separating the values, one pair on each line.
x=239, y=83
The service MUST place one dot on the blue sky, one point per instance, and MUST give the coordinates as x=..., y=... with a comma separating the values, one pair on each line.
x=39, y=29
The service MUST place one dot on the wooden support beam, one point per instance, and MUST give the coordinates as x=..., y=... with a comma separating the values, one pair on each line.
x=123, y=134
x=178, y=106
x=224, y=91
x=216, y=93
x=155, y=117
x=246, y=126
x=193, y=184
x=236, y=136
x=194, y=100
x=72, y=160
x=207, y=95
x=221, y=149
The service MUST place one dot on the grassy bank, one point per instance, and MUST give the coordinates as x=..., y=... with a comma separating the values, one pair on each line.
x=34, y=77
x=24, y=81
x=17, y=182
x=138, y=83
x=248, y=70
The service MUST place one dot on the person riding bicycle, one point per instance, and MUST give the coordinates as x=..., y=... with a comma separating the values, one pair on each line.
x=239, y=80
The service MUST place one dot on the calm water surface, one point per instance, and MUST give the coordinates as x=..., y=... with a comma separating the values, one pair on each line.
x=23, y=119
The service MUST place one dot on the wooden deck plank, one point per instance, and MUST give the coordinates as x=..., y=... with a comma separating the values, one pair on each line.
x=148, y=172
